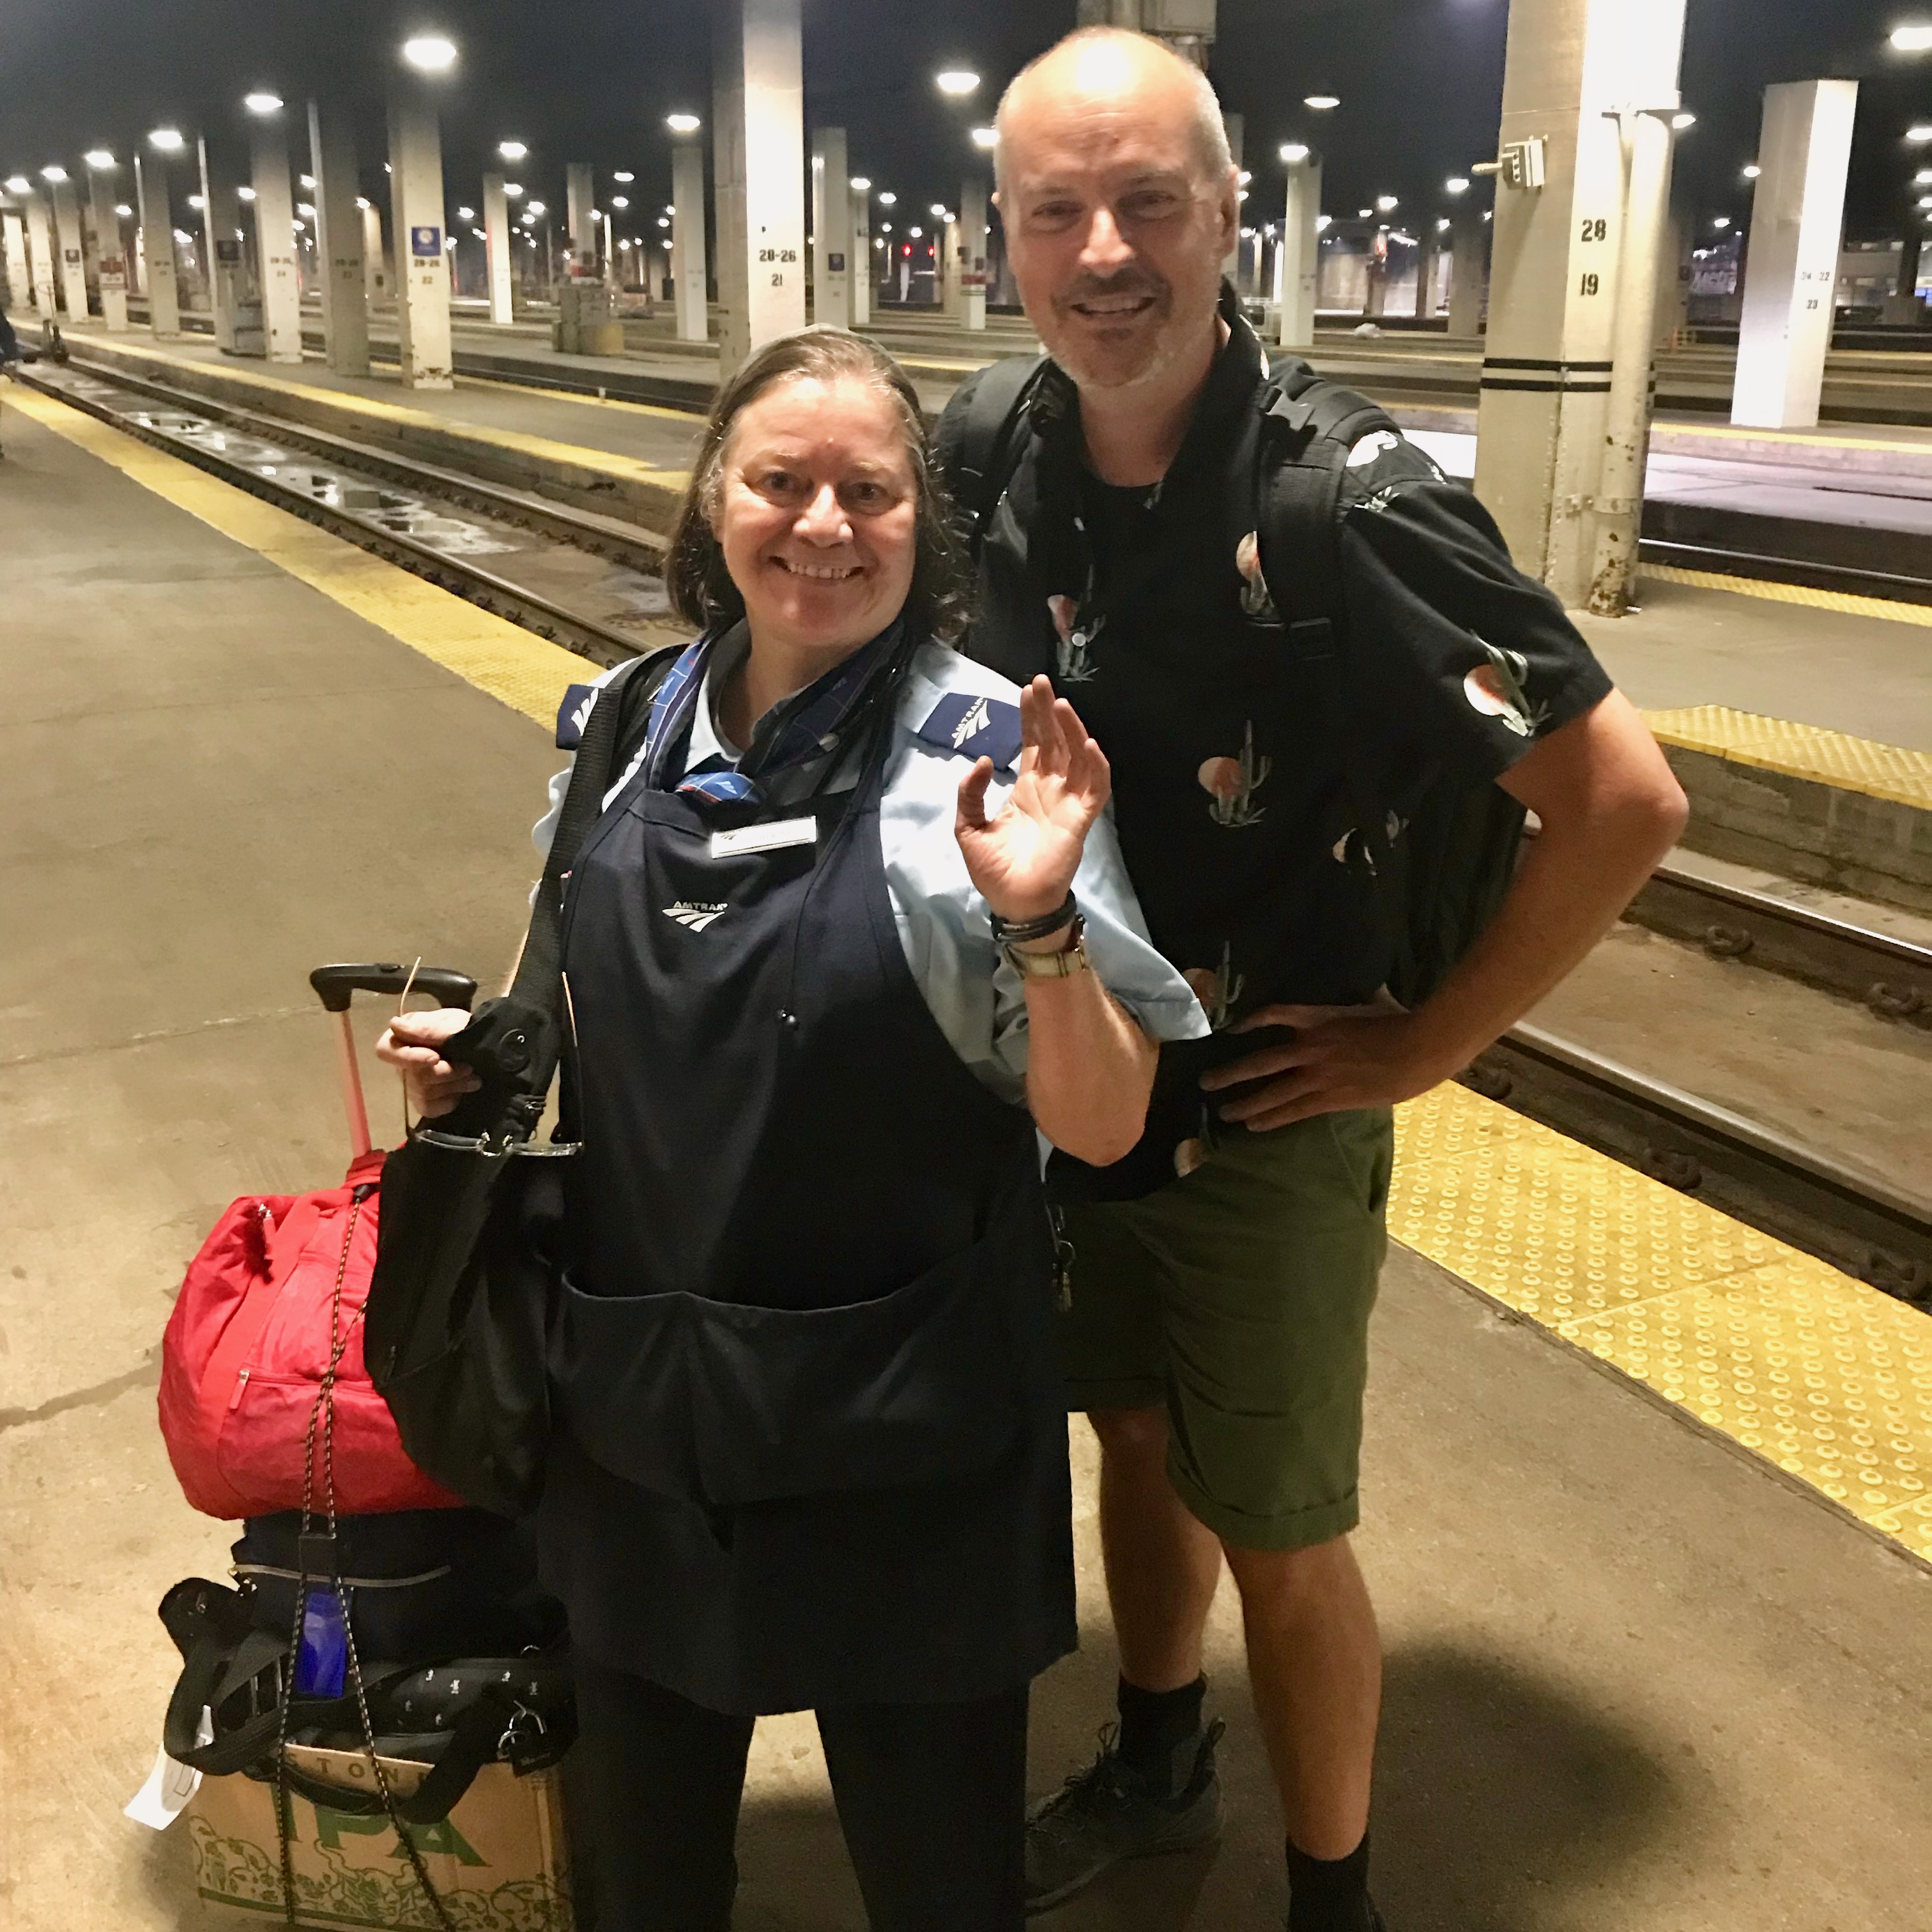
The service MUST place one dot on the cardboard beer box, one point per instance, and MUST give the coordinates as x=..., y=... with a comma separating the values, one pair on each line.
x=498, y=1861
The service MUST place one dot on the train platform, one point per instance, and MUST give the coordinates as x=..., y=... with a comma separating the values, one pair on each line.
x=1647, y=1494
x=1852, y=496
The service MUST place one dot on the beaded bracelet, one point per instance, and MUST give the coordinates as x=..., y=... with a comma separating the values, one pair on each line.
x=1020, y=932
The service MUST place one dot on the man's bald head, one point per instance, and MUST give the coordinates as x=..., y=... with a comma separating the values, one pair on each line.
x=1133, y=73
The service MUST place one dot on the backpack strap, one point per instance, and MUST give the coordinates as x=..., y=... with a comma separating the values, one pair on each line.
x=978, y=442
x=1310, y=426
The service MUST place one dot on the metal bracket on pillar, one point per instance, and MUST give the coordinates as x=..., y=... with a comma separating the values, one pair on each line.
x=1524, y=164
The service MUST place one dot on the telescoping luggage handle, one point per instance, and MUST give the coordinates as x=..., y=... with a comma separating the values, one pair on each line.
x=335, y=986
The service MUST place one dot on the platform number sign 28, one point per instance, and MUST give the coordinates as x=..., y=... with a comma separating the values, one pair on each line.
x=1595, y=229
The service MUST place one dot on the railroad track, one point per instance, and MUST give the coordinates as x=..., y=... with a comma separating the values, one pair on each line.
x=1889, y=586
x=1817, y=1203
x=390, y=505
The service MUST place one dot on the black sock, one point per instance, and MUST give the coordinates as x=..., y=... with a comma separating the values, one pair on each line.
x=1154, y=1725
x=1328, y=1895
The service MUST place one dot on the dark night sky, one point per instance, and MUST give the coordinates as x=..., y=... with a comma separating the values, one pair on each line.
x=593, y=80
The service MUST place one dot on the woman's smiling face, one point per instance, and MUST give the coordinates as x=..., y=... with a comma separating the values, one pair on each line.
x=818, y=514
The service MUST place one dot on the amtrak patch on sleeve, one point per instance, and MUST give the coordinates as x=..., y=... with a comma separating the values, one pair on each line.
x=573, y=715
x=974, y=727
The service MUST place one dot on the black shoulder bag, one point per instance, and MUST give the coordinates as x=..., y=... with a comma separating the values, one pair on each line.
x=472, y=1205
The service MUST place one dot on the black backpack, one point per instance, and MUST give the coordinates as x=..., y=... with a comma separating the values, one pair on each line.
x=1438, y=884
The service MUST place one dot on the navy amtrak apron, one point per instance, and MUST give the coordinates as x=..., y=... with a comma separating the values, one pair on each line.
x=811, y=1447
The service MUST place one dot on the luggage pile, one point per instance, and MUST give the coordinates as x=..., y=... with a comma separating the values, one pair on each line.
x=383, y=1646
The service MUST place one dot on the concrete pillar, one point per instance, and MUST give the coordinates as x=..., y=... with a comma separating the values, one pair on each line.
x=19, y=277
x=221, y=245
x=415, y=214
x=497, y=244
x=40, y=259
x=865, y=271
x=1237, y=126
x=973, y=253
x=952, y=282
x=831, y=230
x=1468, y=272
x=1298, y=259
x=1903, y=305
x=338, y=238
x=376, y=281
x=758, y=127
x=275, y=254
x=688, y=265
x=1577, y=71
x=579, y=196
x=1375, y=304
x=1791, y=274
x=71, y=251
x=111, y=254
x=1186, y=26
x=157, y=248
x=1673, y=292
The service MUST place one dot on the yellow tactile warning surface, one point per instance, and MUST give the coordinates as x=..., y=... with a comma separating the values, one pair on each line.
x=525, y=672
x=1798, y=439
x=1825, y=1378
x=540, y=449
x=1890, y=610
x=1800, y=751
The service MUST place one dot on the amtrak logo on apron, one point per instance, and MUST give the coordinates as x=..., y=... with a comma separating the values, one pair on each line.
x=697, y=917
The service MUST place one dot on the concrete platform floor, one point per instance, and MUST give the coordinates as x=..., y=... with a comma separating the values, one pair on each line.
x=1637, y=1681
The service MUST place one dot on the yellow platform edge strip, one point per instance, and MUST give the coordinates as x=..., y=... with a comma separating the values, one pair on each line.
x=540, y=449
x=1892, y=772
x=1887, y=610
x=1827, y=1379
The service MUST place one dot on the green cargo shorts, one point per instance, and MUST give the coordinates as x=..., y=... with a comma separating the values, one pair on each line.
x=1240, y=1298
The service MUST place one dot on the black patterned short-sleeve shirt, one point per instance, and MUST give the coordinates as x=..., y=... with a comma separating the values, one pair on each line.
x=1148, y=609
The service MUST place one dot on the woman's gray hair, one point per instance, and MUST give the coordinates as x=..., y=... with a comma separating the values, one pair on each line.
x=700, y=588
x=1210, y=128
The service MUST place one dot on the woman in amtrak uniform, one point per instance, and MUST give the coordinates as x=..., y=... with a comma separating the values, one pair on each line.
x=811, y=1451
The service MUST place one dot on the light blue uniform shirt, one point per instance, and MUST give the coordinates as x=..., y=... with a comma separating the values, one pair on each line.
x=943, y=924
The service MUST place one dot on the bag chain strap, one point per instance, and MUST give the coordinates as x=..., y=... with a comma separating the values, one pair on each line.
x=323, y=1410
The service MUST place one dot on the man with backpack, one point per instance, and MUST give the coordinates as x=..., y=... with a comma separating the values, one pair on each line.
x=1327, y=697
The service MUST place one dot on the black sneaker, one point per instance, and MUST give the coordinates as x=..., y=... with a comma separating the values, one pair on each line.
x=1109, y=1812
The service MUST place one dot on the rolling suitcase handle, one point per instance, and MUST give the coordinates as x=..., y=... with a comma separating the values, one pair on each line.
x=335, y=986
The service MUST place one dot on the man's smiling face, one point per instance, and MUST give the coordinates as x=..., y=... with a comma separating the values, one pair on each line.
x=1116, y=223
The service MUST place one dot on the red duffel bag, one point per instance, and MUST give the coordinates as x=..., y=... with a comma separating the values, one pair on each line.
x=270, y=1312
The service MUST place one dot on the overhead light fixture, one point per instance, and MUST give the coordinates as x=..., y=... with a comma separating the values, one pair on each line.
x=1722, y=222
x=1681, y=121
x=99, y=157
x=1920, y=134
x=1387, y=204
x=122, y=208
x=985, y=139
x=664, y=221
x=938, y=211
x=887, y=199
x=19, y=184
x=1442, y=224
x=957, y=83
x=429, y=53
x=1243, y=178
x=1323, y=223
x=262, y=102
x=861, y=184
x=682, y=124
x=363, y=202
x=512, y=151
x=303, y=208
x=1365, y=214
x=1915, y=40
x=307, y=181
x=196, y=202
x=917, y=234
x=1295, y=153
x=1457, y=184
x=1752, y=173
x=244, y=194
x=466, y=215
x=1322, y=104
x=624, y=175
x=537, y=207
x=167, y=140
x=620, y=201
x=53, y=171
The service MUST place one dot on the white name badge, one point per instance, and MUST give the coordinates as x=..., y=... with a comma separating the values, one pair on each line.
x=771, y=838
